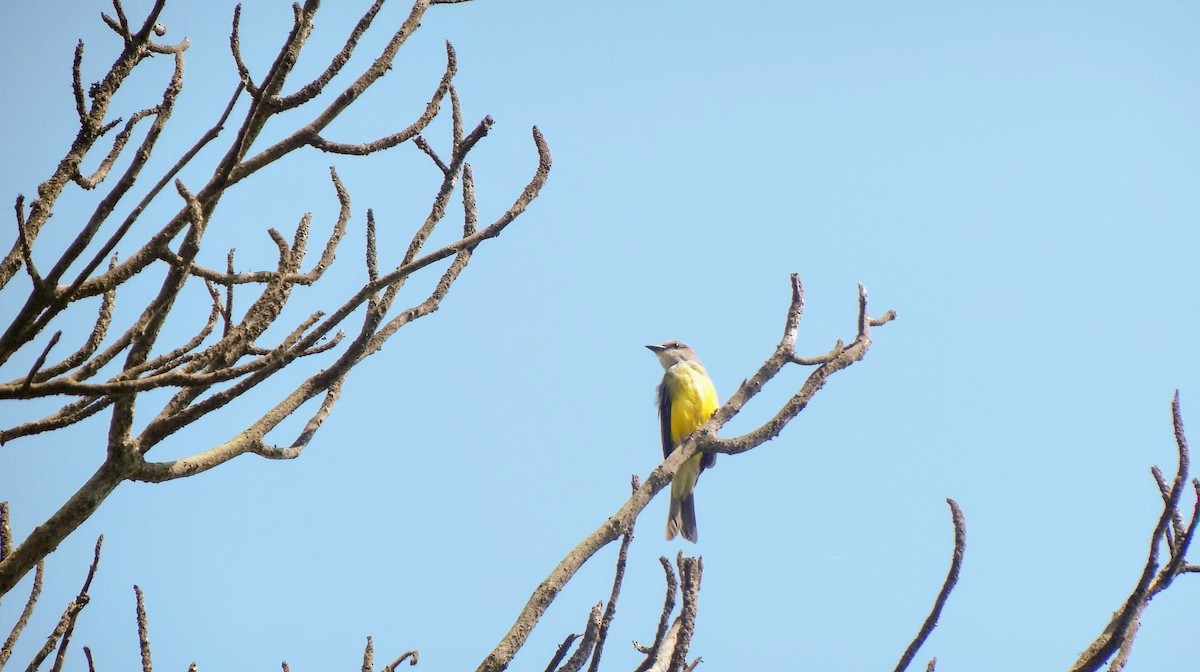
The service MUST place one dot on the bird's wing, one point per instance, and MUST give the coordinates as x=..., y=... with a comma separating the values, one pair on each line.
x=664, y=419
x=708, y=406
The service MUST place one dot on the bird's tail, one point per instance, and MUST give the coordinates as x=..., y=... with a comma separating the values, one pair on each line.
x=682, y=518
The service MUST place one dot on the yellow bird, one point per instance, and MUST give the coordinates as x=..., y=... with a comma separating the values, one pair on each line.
x=686, y=400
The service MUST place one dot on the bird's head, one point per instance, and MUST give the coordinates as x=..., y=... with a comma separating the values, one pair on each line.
x=671, y=353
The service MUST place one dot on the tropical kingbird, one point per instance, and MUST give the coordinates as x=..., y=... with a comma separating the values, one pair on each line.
x=686, y=400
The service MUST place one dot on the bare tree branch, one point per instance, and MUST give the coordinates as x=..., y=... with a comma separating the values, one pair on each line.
x=136, y=48
x=23, y=246
x=610, y=609
x=368, y=664
x=315, y=87
x=67, y=415
x=215, y=367
x=586, y=643
x=956, y=559
x=561, y=652
x=413, y=657
x=89, y=347
x=143, y=628
x=1119, y=634
x=235, y=47
x=664, y=619
x=42, y=307
x=424, y=145
x=83, y=600
x=702, y=439
x=37, y=364
x=10, y=643
x=66, y=623
x=5, y=531
x=670, y=648
x=690, y=570
x=309, y=135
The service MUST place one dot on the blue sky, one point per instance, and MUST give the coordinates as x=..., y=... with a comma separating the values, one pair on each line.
x=1018, y=181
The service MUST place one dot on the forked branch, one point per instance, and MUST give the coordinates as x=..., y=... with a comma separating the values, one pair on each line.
x=1156, y=576
x=216, y=367
x=705, y=438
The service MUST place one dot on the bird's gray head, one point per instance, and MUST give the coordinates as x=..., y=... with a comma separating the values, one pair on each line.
x=671, y=353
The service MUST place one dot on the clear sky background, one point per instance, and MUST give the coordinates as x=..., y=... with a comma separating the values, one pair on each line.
x=1017, y=180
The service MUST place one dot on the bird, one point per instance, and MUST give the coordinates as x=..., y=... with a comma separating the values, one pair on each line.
x=686, y=400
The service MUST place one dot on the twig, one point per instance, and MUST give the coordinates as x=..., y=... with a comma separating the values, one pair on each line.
x=24, y=243
x=1117, y=637
x=586, y=643
x=1176, y=529
x=77, y=84
x=5, y=531
x=92, y=181
x=99, y=330
x=65, y=625
x=309, y=135
x=470, y=214
x=664, y=619
x=368, y=664
x=690, y=571
x=6, y=651
x=837, y=359
x=83, y=600
x=315, y=87
x=413, y=657
x=67, y=415
x=424, y=146
x=372, y=255
x=235, y=46
x=37, y=364
x=610, y=609
x=85, y=284
x=561, y=652
x=456, y=123
x=956, y=559
x=143, y=628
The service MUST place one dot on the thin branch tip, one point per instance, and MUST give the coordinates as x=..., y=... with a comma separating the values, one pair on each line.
x=952, y=575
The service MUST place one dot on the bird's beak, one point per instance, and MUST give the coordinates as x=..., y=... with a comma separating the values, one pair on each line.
x=655, y=348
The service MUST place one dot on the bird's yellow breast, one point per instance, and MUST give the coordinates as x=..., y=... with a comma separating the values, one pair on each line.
x=693, y=398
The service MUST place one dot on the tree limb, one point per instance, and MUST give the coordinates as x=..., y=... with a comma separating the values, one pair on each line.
x=1118, y=635
x=702, y=439
x=956, y=559
x=204, y=375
